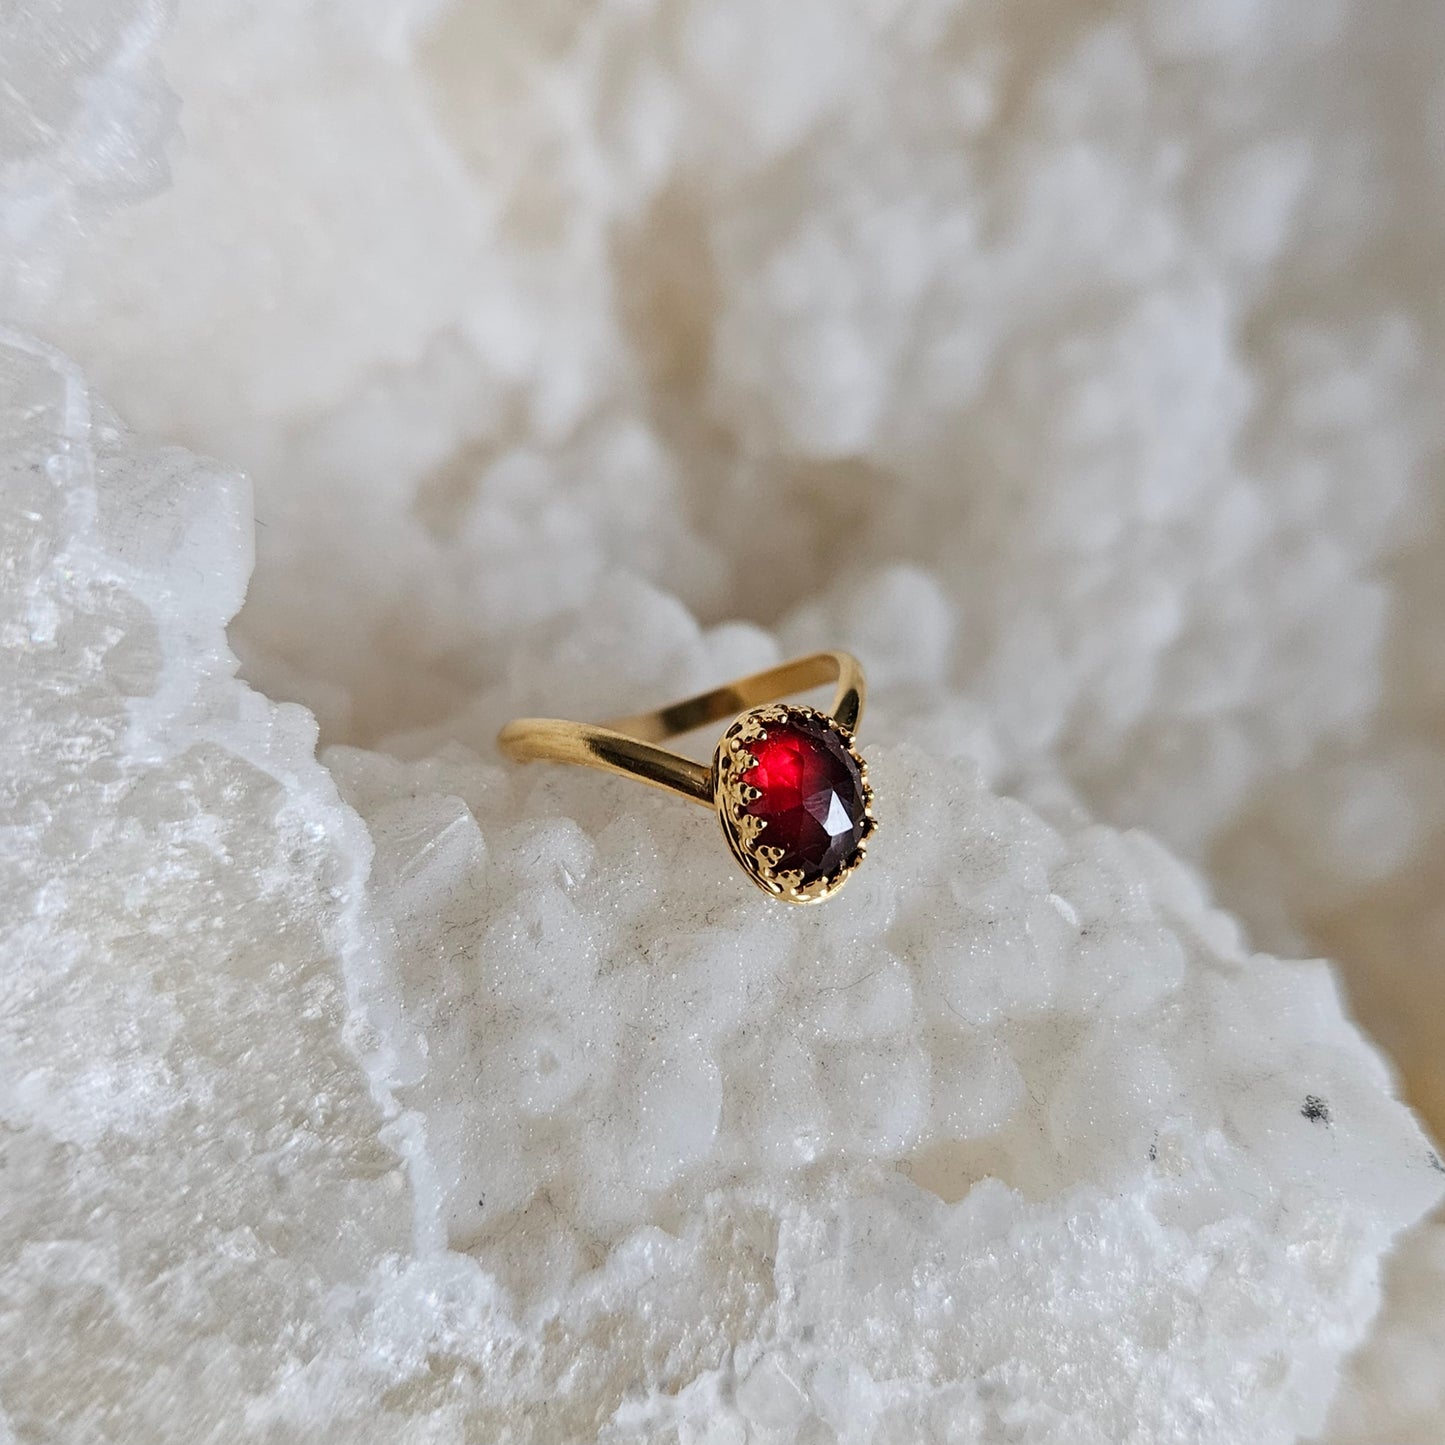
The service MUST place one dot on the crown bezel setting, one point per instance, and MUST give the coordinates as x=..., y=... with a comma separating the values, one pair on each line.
x=746, y=832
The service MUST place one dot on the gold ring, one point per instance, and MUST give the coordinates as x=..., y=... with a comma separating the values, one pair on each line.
x=790, y=788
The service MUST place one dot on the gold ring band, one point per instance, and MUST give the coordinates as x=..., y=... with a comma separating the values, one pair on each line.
x=789, y=786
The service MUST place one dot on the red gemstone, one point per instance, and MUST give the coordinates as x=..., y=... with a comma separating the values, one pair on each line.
x=812, y=796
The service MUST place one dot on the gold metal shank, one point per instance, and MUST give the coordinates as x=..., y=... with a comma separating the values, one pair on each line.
x=625, y=744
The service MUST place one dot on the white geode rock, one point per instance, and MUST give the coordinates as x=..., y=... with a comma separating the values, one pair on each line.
x=418, y=1098
x=1122, y=332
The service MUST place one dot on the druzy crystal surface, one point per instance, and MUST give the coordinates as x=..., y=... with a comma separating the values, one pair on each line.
x=811, y=796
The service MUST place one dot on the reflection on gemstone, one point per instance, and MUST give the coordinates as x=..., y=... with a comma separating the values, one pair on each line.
x=812, y=797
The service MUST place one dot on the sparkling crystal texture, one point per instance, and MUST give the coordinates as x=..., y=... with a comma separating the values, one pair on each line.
x=812, y=796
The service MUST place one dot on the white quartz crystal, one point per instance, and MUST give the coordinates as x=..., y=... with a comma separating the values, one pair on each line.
x=484, y=1103
x=1077, y=366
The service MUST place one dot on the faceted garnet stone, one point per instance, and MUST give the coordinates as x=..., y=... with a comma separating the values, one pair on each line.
x=812, y=796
